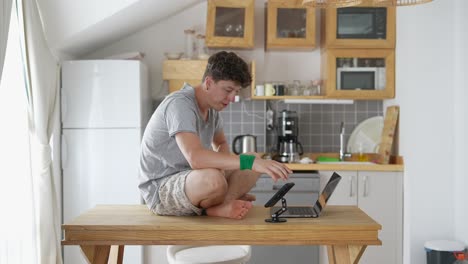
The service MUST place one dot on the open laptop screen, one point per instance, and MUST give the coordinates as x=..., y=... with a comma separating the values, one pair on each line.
x=327, y=192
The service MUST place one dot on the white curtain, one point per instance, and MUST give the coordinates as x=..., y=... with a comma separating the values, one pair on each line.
x=5, y=12
x=42, y=79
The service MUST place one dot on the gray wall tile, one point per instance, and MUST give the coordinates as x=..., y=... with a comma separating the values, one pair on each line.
x=319, y=125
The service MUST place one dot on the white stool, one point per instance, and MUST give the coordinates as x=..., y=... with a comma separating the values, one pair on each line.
x=208, y=254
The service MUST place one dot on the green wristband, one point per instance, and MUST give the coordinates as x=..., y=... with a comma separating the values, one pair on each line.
x=246, y=161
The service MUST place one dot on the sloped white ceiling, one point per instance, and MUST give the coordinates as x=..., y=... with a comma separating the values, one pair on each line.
x=74, y=28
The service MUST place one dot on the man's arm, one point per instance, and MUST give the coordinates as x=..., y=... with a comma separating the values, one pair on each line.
x=200, y=158
x=220, y=143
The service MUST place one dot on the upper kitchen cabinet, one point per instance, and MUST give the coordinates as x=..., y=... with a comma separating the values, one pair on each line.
x=358, y=27
x=230, y=24
x=178, y=72
x=289, y=25
x=361, y=74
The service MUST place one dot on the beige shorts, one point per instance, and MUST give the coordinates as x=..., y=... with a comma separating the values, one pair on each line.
x=172, y=197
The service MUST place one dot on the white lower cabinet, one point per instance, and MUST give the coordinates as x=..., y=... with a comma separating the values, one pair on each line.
x=380, y=195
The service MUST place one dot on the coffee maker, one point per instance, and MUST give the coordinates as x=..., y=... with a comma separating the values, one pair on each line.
x=289, y=148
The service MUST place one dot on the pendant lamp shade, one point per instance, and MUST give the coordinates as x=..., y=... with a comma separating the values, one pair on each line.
x=330, y=3
x=399, y=2
x=345, y=3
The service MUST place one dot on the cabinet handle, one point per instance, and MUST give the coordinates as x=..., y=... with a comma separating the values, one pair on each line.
x=366, y=187
x=351, y=180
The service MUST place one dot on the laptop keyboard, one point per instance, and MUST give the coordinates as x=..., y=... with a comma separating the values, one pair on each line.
x=300, y=211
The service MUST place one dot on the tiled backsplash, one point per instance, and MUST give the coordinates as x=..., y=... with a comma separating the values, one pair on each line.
x=319, y=127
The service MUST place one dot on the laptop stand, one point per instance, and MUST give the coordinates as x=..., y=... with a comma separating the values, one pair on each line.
x=275, y=216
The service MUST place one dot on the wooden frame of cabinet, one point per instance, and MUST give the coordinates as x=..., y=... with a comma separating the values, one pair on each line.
x=329, y=27
x=272, y=40
x=329, y=57
x=247, y=41
x=178, y=72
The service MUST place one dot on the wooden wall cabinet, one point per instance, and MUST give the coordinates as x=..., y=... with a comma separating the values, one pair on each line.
x=347, y=73
x=178, y=72
x=289, y=25
x=329, y=29
x=230, y=24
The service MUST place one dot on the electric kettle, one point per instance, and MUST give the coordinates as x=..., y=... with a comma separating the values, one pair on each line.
x=248, y=143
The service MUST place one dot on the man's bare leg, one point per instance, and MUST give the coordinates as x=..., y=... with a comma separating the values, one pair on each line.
x=236, y=209
x=248, y=197
x=240, y=183
x=237, y=201
x=207, y=189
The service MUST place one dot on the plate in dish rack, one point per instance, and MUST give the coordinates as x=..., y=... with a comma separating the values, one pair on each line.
x=367, y=134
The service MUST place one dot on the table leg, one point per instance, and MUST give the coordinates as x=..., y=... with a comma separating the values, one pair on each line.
x=345, y=254
x=116, y=254
x=96, y=254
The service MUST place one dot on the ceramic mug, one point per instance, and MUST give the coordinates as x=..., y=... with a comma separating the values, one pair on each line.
x=269, y=89
x=259, y=90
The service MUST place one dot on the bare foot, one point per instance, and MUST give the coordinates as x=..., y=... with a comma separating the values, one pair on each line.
x=248, y=197
x=236, y=209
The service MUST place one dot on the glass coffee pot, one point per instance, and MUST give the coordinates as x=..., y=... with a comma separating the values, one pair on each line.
x=290, y=151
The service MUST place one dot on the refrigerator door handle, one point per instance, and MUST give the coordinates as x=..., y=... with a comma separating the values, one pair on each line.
x=64, y=152
x=64, y=105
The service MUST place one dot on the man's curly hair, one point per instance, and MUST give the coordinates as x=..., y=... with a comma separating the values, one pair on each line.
x=227, y=66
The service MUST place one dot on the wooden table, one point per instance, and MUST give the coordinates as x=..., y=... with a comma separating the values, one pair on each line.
x=346, y=231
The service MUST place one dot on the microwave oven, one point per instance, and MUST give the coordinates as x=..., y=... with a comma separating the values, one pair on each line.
x=360, y=78
x=361, y=23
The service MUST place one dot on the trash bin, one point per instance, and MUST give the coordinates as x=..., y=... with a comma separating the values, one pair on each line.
x=442, y=251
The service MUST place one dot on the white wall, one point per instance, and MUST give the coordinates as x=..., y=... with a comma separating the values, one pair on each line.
x=432, y=128
x=461, y=121
x=431, y=59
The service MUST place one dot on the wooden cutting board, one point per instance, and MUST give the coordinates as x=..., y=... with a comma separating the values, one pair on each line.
x=388, y=134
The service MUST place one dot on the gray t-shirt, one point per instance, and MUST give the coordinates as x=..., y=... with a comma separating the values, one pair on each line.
x=160, y=155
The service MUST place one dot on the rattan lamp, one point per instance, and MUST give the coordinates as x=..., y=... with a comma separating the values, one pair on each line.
x=344, y=3
x=399, y=2
x=330, y=3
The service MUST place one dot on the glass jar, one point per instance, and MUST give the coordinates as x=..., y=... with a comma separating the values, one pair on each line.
x=295, y=88
x=189, y=44
x=202, y=50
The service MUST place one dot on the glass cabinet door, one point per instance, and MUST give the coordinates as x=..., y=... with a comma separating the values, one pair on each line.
x=360, y=74
x=289, y=25
x=353, y=73
x=359, y=26
x=230, y=23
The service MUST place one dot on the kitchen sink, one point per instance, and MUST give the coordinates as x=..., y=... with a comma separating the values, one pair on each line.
x=347, y=162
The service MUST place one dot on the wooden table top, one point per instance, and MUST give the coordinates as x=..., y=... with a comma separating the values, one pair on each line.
x=136, y=225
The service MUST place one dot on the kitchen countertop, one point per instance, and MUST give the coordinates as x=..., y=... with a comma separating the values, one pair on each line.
x=396, y=164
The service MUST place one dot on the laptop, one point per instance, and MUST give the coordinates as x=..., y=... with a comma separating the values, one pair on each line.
x=311, y=211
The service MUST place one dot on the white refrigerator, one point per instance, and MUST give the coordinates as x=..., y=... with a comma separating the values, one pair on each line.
x=105, y=107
